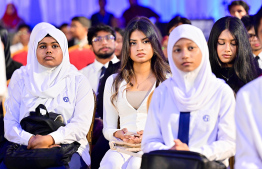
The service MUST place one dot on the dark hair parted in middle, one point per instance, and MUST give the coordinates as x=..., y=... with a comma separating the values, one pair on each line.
x=158, y=65
x=92, y=32
x=243, y=64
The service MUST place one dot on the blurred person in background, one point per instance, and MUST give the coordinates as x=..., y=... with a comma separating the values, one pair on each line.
x=65, y=28
x=79, y=29
x=238, y=9
x=248, y=22
x=23, y=35
x=11, y=20
x=102, y=16
x=137, y=10
x=119, y=42
x=176, y=21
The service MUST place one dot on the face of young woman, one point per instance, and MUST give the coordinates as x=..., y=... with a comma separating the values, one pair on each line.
x=186, y=55
x=226, y=47
x=49, y=52
x=140, y=47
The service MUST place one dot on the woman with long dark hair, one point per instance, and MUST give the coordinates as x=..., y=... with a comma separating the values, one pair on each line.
x=230, y=53
x=142, y=69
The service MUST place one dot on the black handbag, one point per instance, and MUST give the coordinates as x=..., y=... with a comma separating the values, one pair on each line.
x=173, y=159
x=36, y=123
x=18, y=156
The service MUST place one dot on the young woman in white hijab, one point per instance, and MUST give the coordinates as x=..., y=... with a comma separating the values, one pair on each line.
x=50, y=79
x=192, y=110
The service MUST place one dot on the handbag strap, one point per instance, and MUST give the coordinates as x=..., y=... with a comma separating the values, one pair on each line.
x=183, y=128
x=41, y=106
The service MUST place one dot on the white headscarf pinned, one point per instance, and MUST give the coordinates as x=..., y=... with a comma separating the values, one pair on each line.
x=42, y=82
x=191, y=90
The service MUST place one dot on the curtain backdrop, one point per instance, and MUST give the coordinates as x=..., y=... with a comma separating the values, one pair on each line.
x=60, y=11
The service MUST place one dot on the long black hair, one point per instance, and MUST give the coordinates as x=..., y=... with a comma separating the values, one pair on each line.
x=158, y=65
x=244, y=65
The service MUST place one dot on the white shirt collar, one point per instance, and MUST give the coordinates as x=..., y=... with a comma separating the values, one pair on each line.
x=81, y=42
x=98, y=66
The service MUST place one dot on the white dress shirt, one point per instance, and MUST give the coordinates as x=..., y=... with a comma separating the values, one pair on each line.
x=211, y=130
x=130, y=118
x=16, y=47
x=92, y=72
x=249, y=126
x=259, y=60
x=77, y=111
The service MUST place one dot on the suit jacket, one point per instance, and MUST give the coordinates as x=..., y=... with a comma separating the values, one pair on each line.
x=112, y=68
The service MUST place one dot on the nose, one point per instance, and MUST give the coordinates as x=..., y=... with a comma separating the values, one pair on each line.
x=48, y=49
x=140, y=46
x=227, y=47
x=185, y=54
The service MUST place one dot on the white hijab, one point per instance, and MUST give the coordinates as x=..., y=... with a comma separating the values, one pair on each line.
x=191, y=90
x=42, y=82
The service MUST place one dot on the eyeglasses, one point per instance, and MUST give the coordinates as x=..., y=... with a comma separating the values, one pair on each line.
x=251, y=36
x=99, y=39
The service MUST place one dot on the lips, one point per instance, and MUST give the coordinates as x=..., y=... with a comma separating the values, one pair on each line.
x=141, y=54
x=257, y=45
x=186, y=63
x=48, y=57
x=226, y=56
x=105, y=49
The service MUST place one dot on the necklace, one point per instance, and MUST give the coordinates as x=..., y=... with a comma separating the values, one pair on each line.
x=143, y=81
x=227, y=78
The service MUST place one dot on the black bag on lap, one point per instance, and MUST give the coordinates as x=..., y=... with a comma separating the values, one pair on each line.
x=18, y=156
x=173, y=159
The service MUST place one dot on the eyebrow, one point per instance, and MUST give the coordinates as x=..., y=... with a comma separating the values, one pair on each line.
x=141, y=39
x=46, y=43
x=224, y=39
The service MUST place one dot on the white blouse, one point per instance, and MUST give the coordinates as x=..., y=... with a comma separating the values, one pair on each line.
x=130, y=118
x=75, y=104
x=211, y=130
x=249, y=126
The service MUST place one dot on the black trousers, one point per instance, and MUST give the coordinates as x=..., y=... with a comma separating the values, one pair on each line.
x=98, y=152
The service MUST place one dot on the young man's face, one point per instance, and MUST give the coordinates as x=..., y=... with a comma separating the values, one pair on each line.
x=253, y=40
x=237, y=11
x=259, y=31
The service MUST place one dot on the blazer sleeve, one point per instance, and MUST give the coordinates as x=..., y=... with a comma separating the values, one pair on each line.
x=110, y=113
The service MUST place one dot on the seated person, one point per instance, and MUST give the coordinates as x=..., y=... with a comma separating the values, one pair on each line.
x=125, y=96
x=50, y=79
x=193, y=100
x=256, y=46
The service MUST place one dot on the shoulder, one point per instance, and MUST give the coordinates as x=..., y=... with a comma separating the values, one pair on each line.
x=111, y=79
x=18, y=77
x=162, y=89
x=252, y=89
x=87, y=68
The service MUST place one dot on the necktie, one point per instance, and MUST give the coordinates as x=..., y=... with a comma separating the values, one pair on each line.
x=256, y=60
x=183, y=128
x=103, y=69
